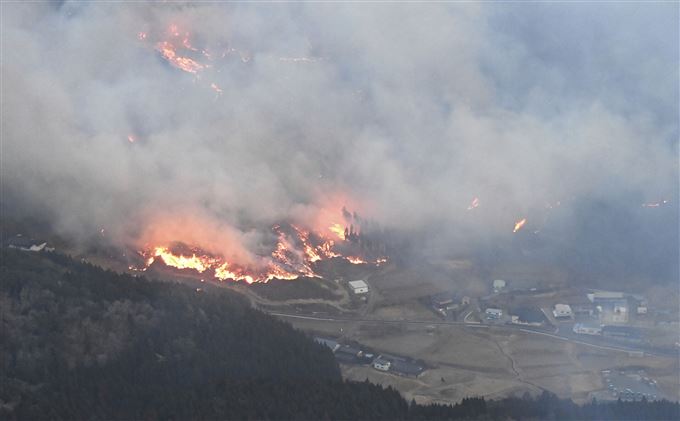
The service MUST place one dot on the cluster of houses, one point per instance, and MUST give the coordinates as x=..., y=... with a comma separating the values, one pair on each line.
x=527, y=316
x=628, y=333
x=604, y=313
x=608, y=313
x=608, y=307
x=447, y=303
x=349, y=354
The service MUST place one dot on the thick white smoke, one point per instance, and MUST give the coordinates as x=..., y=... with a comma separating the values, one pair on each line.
x=411, y=110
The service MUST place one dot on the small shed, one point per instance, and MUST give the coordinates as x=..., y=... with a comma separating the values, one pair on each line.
x=381, y=364
x=498, y=285
x=406, y=368
x=528, y=316
x=493, y=313
x=358, y=287
x=562, y=311
x=622, y=332
x=587, y=329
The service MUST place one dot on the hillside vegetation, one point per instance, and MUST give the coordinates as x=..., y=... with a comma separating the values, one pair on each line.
x=80, y=342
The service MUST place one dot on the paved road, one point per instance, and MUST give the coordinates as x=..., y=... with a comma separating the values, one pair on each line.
x=594, y=342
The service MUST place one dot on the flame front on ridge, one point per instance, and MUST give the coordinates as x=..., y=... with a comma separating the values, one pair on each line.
x=295, y=251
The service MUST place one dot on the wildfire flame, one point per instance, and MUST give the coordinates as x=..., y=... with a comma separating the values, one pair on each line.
x=295, y=252
x=198, y=263
x=519, y=224
x=338, y=230
x=176, y=47
x=169, y=52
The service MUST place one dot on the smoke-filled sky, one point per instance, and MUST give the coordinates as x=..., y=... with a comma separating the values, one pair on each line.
x=404, y=111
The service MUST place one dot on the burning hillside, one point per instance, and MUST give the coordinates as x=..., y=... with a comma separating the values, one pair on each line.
x=293, y=254
x=176, y=47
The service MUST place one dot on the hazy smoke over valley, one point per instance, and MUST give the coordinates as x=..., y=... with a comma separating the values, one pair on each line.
x=566, y=115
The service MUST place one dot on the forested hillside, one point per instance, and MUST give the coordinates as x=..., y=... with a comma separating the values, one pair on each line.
x=79, y=342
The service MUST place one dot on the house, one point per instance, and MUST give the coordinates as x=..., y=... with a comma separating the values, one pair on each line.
x=498, y=285
x=642, y=307
x=381, y=364
x=348, y=354
x=444, y=301
x=614, y=311
x=358, y=287
x=584, y=310
x=562, y=311
x=406, y=368
x=403, y=366
x=528, y=316
x=587, y=329
x=493, y=313
x=601, y=296
x=622, y=332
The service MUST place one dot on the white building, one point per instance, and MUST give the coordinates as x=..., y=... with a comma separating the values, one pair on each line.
x=642, y=306
x=358, y=287
x=493, y=313
x=498, y=285
x=586, y=329
x=614, y=312
x=562, y=311
x=598, y=296
x=382, y=365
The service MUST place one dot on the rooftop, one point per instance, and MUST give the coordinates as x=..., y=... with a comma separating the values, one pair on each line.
x=529, y=315
x=605, y=295
x=358, y=284
x=406, y=368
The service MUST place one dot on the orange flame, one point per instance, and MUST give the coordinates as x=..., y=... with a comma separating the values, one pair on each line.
x=169, y=52
x=474, y=204
x=519, y=224
x=338, y=230
x=291, y=258
x=356, y=260
x=198, y=263
x=221, y=252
